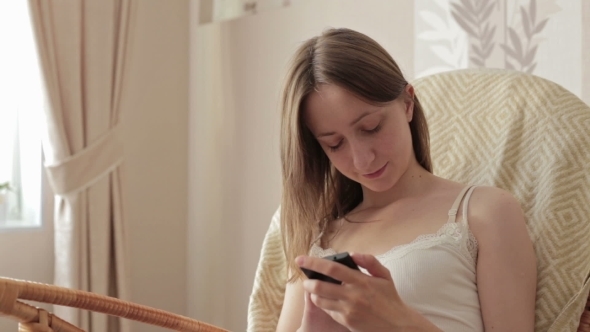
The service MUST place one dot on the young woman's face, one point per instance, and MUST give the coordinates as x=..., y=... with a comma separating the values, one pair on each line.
x=369, y=144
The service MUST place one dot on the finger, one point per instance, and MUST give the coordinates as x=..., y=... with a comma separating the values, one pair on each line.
x=372, y=265
x=325, y=304
x=309, y=306
x=324, y=289
x=306, y=298
x=330, y=268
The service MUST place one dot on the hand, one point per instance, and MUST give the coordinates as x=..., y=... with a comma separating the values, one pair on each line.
x=363, y=302
x=316, y=319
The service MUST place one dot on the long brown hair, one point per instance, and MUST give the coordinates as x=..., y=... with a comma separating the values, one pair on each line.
x=314, y=192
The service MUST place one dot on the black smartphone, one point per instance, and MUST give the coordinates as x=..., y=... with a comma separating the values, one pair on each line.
x=342, y=258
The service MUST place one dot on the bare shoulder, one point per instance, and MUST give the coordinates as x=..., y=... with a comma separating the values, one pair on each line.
x=496, y=219
x=506, y=263
x=493, y=207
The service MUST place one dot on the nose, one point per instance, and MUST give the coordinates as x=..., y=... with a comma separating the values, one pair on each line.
x=362, y=157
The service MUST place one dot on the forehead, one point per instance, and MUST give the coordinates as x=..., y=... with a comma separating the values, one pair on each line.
x=329, y=96
x=331, y=104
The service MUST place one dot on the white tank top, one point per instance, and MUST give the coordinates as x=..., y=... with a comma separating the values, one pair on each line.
x=436, y=273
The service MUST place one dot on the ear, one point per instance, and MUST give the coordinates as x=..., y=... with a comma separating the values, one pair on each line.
x=409, y=101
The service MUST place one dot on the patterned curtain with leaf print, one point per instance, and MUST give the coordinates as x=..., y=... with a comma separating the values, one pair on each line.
x=83, y=50
x=547, y=38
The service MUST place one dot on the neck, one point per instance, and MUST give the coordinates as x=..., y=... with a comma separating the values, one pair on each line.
x=415, y=181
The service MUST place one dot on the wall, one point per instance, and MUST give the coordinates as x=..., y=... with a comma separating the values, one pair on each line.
x=155, y=116
x=30, y=258
x=30, y=252
x=236, y=72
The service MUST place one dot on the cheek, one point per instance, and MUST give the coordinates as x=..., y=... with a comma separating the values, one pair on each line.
x=387, y=144
x=341, y=160
x=396, y=144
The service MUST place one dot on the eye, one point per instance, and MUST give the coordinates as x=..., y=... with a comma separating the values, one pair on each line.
x=374, y=130
x=333, y=148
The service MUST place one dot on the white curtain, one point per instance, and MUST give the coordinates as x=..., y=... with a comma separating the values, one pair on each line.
x=83, y=48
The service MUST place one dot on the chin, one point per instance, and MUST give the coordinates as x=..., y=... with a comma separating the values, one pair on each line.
x=378, y=187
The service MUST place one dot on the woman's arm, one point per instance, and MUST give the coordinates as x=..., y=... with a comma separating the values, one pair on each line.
x=292, y=311
x=300, y=314
x=506, y=265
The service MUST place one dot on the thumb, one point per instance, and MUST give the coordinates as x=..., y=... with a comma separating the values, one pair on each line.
x=372, y=265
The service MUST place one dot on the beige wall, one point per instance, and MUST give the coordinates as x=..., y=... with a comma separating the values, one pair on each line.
x=28, y=253
x=237, y=69
x=155, y=115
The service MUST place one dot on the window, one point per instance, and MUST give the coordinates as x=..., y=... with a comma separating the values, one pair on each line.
x=22, y=100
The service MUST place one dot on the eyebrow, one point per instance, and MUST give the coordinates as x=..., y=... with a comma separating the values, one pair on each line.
x=351, y=124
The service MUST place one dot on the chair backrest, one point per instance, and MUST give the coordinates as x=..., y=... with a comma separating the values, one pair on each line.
x=33, y=319
x=531, y=137
x=270, y=281
x=514, y=131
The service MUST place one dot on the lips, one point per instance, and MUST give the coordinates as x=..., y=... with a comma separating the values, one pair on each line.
x=376, y=174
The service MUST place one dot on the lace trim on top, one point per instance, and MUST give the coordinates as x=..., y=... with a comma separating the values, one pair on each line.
x=449, y=233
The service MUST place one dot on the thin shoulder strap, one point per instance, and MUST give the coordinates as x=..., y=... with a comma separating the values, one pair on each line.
x=454, y=209
x=466, y=203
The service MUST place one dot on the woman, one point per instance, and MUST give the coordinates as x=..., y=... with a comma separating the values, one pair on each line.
x=357, y=176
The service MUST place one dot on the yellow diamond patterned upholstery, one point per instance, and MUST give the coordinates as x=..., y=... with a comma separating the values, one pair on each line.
x=270, y=281
x=507, y=129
